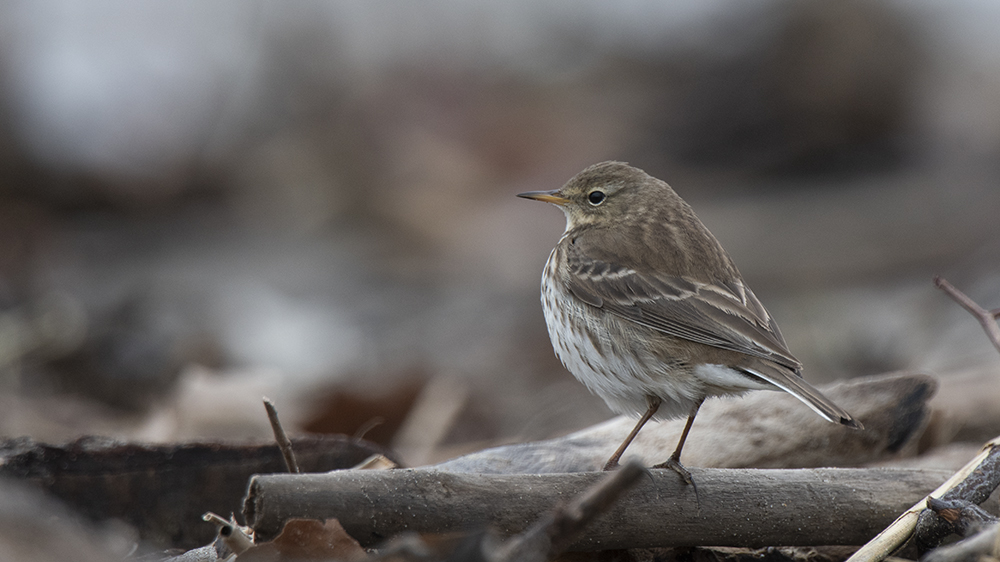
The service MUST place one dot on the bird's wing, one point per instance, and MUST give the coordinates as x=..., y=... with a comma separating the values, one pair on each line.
x=727, y=316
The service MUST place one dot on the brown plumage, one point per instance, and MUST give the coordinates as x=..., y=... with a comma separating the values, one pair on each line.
x=645, y=307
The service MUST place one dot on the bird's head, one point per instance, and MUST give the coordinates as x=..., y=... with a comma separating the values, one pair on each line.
x=606, y=194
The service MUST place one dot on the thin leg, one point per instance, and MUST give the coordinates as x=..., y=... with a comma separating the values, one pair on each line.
x=674, y=462
x=654, y=405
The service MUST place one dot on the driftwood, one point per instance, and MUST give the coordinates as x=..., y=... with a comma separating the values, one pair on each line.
x=762, y=430
x=736, y=507
x=969, y=406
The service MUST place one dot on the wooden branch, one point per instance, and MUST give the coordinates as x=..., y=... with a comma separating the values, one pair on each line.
x=895, y=535
x=987, y=318
x=967, y=406
x=738, y=507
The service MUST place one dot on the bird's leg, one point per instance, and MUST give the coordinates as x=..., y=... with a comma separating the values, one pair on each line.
x=674, y=462
x=654, y=405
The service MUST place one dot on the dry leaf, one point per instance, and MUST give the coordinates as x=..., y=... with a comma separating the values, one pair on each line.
x=305, y=540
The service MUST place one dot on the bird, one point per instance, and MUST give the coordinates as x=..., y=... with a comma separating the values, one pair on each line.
x=647, y=310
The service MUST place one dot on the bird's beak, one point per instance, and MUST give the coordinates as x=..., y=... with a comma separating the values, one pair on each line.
x=548, y=196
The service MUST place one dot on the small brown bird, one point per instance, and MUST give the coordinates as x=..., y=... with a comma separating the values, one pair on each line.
x=648, y=311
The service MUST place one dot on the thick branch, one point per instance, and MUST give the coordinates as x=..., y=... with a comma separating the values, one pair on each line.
x=987, y=318
x=738, y=507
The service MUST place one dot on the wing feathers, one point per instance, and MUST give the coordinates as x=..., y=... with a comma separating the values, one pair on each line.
x=727, y=315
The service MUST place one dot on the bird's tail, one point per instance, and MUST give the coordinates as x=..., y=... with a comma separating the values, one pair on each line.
x=795, y=385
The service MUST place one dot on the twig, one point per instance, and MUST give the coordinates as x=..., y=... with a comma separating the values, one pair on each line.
x=280, y=437
x=895, y=535
x=987, y=318
x=368, y=426
x=961, y=517
x=555, y=531
x=230, y=532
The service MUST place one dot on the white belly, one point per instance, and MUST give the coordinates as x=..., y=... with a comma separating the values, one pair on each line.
x=611, y=364
x=623, y=377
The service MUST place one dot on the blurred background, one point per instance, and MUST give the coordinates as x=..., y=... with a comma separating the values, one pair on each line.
x=204, y=203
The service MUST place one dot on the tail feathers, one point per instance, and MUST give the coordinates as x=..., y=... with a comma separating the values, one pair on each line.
x=799, y=388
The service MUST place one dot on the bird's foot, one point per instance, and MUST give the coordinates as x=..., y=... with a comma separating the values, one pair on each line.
x=673, y=464
x=676, y=466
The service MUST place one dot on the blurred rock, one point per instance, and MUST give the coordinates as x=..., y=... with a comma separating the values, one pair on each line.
x=129, y=358
x=795, y=85
x=36, y=528
x=374, y=411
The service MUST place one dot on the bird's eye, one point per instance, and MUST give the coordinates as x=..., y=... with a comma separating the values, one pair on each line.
x=596, y=197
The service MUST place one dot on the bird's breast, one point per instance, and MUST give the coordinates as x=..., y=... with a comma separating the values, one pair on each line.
x=611, y=356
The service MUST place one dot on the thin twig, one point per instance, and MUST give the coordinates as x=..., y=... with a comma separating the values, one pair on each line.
x=987, y=318
x=280, y=437
x=230, y=532
x=368, y=426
